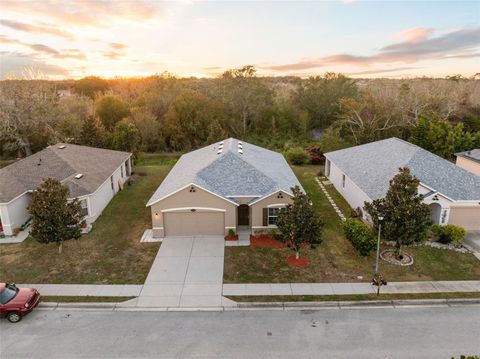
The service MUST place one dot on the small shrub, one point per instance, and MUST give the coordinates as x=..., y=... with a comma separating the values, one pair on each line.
x=449, y=233
x=360, y=235
x=297, y=156
x=353, y=213
x=231, y=232
x=320, y=173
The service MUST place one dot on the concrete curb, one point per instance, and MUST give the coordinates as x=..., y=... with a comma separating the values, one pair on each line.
x=258, y=306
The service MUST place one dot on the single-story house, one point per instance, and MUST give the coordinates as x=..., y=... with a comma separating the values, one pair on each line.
x=93, y=176
x=221, y=187
x=362, y=174
x=469, y=160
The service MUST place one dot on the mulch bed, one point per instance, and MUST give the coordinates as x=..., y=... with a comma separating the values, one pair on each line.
x=301, y=262
x=231, y=238
x=389, y=256
x=265, y=241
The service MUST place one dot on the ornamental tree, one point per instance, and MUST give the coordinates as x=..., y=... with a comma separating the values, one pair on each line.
x=298, y=223
x=54, y=218
x=406, y=217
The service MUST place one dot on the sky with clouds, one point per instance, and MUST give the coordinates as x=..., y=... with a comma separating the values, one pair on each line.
x=72, y=39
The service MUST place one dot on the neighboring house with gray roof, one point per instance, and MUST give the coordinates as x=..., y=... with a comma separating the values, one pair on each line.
x=469, y=160
x=362, y=174
x=221, y=187
x=93, y=175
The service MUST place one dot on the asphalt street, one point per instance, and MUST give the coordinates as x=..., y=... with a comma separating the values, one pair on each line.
x=416, y=332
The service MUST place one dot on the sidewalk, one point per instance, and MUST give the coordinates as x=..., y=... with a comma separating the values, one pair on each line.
x=261, y=289
x=83, y=290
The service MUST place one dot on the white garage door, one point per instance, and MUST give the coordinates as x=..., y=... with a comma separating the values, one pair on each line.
x=466, y=217
x=194, y=223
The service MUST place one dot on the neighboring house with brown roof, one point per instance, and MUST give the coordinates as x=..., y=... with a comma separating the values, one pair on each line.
x=362, y=174
x=226, y=185
x=469, y=160
x=93, y=176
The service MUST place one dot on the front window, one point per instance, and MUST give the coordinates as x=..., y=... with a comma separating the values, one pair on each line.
x=121, y=170
x=7, y=294
x=272, y=216
x=343, y=181
x=84, y=205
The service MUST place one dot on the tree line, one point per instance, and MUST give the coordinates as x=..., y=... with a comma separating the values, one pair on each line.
x=165, y=113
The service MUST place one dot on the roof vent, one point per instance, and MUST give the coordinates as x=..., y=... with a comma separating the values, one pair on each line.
x=62, y=147
x=239, y=142
x=80, y=175
x=219, y=151
x=240, y=145
x=221, y=146
x=221, y=142
x=240, y=151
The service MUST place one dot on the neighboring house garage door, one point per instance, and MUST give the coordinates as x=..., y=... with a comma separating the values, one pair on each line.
x=194, y=223
x=467, y=217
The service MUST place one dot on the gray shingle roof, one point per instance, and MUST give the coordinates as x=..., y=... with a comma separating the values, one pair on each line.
x=256, y=172
x=371, y=166
x=96, y=165
x=472, y=154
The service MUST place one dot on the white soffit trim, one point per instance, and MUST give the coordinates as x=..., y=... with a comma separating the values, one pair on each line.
x=188, y=185
x=436, y=192
x=275, y=205
x=268, y=195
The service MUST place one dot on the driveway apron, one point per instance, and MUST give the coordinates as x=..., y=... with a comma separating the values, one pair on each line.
x=187, y=272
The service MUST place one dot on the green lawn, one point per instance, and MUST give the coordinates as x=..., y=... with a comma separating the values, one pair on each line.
x=335, y=260
x=110, y=253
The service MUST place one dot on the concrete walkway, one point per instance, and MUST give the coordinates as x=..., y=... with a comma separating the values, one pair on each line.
x=19, y=238
x=83, y=290
x=173, y=294
x=187, y=272
x=330, y=199
x=261, y=289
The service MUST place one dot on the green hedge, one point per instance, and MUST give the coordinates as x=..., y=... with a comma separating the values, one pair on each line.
x=449, y=233
x=297, y=156
x=360, y=235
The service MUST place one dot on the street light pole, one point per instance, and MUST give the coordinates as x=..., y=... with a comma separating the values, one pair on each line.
x=380, y=219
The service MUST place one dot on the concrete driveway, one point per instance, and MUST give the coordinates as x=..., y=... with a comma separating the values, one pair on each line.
x=473, y=240
x=187, y=272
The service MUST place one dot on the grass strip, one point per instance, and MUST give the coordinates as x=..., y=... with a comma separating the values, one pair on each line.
x=354, y=297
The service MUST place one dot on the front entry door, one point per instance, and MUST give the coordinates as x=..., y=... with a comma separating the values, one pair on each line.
x=243, y=215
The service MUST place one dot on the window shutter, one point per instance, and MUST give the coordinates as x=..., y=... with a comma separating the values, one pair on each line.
x=265, y=217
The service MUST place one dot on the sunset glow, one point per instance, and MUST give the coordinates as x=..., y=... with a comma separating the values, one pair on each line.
x=72, y=39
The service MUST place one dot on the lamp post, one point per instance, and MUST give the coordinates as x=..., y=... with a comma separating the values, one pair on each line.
x=380, y=219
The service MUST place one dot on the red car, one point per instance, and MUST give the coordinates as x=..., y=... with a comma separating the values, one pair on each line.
x=16, y=302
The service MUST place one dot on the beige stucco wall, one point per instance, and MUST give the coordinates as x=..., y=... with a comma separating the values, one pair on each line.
x=256, y=210
x=186, y=199
x=466, y=217
x=469, y=165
